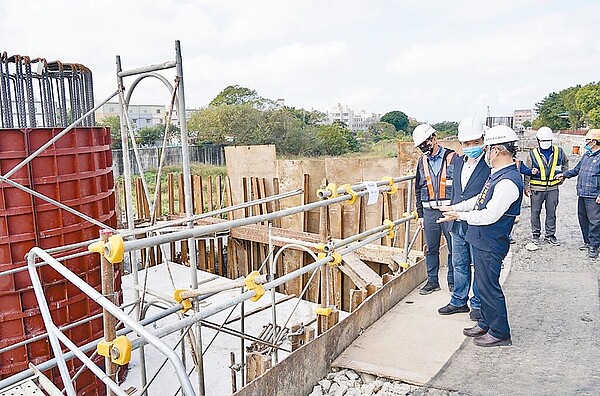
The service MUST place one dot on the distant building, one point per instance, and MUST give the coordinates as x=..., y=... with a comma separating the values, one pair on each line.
x=141, y=116
x=520, y=116
x=502, y=120
x=356, y=121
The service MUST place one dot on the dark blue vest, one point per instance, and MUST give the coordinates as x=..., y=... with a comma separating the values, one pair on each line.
x=495, y=237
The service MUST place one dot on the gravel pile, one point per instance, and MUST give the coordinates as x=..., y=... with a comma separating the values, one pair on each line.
x=348, y=383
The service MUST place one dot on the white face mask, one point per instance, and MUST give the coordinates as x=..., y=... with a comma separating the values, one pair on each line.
x=545, y=144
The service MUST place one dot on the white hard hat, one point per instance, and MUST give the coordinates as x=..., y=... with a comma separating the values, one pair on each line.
x=499, y=134
x=421, y=133
x=470, y=128
x=544, y=133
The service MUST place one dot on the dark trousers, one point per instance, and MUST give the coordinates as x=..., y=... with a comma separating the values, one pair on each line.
x=538, y=198
x=588, y=212
x=494, y=316
x=433, y=234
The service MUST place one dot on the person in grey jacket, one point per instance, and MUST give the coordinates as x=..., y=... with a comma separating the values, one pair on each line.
x=588, y=191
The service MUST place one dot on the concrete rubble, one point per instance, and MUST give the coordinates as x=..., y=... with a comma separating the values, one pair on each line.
x=347, y=382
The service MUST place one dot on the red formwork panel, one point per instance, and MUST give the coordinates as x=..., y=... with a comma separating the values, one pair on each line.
x=76, y=170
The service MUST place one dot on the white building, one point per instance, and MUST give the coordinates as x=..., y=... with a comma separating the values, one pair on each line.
x=140, y=115
x=520, y=116
x=356, y=121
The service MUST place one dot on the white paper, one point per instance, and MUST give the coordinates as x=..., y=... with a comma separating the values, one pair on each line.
x=373, y=192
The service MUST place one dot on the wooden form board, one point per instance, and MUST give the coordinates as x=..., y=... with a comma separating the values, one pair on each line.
x=248, y=161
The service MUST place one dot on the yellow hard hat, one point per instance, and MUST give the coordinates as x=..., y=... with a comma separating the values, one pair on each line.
x=593, y=134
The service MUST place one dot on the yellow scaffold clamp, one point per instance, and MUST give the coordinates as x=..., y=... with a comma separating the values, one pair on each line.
x=323, y=311
x=350, y=192
x=252, y=285
x=186, y=303
x=390, y=225
x=331, y=187
x=404, y=265
x=337, y=258
x=392, y=184
x=113, y=249
x=118, y=350
x=413, y=213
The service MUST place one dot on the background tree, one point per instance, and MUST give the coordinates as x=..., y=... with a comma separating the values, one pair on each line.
x=552, y=112
x=446, y=127
x=398, y=119
x=333, y=139
x=114, y=123
x=312, y=117
x=526, y=124
x=236, y=95
x=587, y=100
x=153, y=135
x=379, y=131
x=237, y=124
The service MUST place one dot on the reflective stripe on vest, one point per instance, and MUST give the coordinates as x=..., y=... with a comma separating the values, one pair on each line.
x=442, y=187
x=546, y=180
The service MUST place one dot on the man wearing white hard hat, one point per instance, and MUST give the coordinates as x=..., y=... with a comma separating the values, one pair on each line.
x=433, y=188
x=491, y=216
x=470, y=174
x=542, y=187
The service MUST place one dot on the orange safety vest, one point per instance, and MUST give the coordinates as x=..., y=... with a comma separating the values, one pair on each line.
x=443, y=178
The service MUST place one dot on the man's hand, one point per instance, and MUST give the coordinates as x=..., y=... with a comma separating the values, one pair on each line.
x=448, y=216
x=527, y=192
x=559, y=176
x=421, y=222
x=535, y=171
x=598, y=200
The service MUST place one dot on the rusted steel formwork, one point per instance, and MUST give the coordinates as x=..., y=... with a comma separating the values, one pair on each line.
x=76, y=171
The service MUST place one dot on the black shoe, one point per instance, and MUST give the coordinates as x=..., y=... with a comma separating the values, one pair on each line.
x=474, y=331
x=593, y=252
x=488, y=340
x=585, y=246
x=475, y=314
x=552, y=240
x=429, y=288
x=535, y=239
x=451, y=287
x=452, y=309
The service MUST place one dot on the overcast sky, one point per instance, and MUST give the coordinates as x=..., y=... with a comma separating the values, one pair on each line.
x=434, y=60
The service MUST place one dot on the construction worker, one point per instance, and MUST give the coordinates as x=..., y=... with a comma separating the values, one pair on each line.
x=433, y=188
x=470, y=174
x=490, y=216
x=542, y=187
x=588, y=191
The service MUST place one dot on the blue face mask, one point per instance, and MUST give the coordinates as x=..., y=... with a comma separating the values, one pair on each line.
x=473, y=152
x=588, y=148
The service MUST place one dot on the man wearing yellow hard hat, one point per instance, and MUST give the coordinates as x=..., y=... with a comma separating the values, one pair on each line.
x=588, y=191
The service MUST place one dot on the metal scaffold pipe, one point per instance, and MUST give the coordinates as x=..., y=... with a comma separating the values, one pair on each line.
x=210, y=229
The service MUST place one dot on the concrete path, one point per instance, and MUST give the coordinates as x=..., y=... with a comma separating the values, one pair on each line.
x=411, y=342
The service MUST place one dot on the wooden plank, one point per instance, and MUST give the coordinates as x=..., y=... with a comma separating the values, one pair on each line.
x=158, y=204
x=211, y=256
x=209, y=188
x=171, y=192
x=359, y=272
x=197, y=193
x=357, y=296
x=220, y=261
x=230, y=214
x=219, y=190
x=181, y=193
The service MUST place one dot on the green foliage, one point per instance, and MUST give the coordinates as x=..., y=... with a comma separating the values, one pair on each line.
x=397, y=118
x=379, y=131
x=312, y=117
x=114, y=124
x=526, y=124
x=239, y=124
x=588, y=101
x=335, y=139
x=236, y=95
x=446, y=127
x=153, y=136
